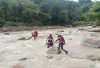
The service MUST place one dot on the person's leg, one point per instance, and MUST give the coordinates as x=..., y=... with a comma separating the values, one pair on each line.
x=48, y=45
x=63, y=48
x=59, y=45
x=51, y=43
x=34, y=37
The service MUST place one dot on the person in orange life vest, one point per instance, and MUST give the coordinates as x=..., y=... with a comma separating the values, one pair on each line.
x=33, y=35
x=36, y=32
x=61, y=43
x=50, y=41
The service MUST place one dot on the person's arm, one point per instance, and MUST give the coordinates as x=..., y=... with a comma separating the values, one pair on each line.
x=47, y=39
x=57, y=39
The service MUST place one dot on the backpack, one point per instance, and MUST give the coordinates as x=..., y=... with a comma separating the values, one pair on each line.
x=62, y=39
x=36, y=33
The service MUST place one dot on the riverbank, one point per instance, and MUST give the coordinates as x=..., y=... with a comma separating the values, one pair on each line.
x=11, y=29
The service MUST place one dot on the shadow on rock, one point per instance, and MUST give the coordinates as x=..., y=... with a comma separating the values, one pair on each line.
x=54, y=50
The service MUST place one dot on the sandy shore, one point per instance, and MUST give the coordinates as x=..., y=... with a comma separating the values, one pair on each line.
x=12, y=49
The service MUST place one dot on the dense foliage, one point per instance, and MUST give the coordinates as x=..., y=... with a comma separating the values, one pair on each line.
x=94, y=13
x=85, y=1
x=47, y=12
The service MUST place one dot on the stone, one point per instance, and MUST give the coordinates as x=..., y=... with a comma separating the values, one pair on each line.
x=58, y=51
x=49, y=57
x=92, y=41
x=62, y=31
x=6, y=33
x=23, y=38
x=93, y=58
x=94, y=30
x=23, y=59
x=54, y=50
x=17, y=66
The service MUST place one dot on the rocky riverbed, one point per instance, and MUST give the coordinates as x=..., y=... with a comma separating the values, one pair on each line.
x=33, y=53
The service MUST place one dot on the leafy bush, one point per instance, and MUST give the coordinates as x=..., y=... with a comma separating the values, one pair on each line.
x=11, y=24
x=2, y=22
x=77, y=23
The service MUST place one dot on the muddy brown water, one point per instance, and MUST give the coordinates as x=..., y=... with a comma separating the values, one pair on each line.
x=12, y=49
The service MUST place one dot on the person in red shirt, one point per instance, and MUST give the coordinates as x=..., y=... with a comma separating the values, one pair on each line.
x=61, y=43
x=35, y=34
x=50, y=41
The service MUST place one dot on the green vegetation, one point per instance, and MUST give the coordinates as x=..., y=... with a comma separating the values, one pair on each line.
x=48, y=12
x=94, y=13
x=2, y=22
x=77, y=23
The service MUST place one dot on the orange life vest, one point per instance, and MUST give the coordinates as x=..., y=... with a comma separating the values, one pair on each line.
x=33, y=34
x=50, y=38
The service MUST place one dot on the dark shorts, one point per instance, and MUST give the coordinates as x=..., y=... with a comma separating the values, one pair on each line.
x=50, y=43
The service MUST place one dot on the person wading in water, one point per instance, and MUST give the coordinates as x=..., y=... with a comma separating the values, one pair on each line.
x=50, y=41
x=35, y=34
x=61, y=43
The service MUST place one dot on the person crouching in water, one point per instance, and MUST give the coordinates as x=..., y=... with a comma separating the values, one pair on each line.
x=35, y=34
x=61, y=43
x=50, y=41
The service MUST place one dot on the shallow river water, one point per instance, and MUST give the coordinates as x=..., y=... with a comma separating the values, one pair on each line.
x=12, y=49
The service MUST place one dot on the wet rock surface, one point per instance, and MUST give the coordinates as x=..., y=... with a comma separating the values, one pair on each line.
x=93, y=57
x=54, y=50
x=92, y=41
x=90, y=29
x=12, y=49
x=6, y=33
x=49, y=57
x=22, y=38
x=17, y=66
x=23, y=59
x=94, y=30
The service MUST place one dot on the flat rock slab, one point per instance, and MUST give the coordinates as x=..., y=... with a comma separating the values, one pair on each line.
x=93, y=57
x=92, y=41
x=94, y=30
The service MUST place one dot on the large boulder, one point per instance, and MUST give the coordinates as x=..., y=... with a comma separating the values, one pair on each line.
x=92, y=41
x=93, y=57
x=54, y=50
x=25, y=38
x=22, y=38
